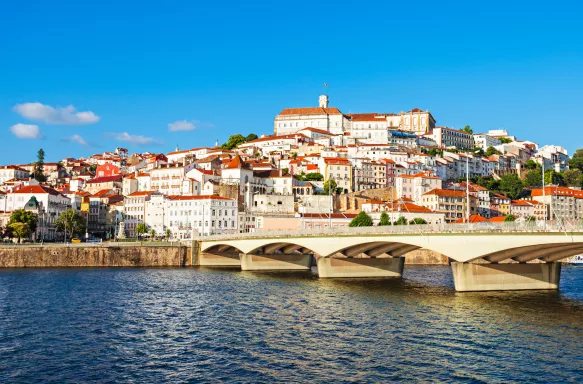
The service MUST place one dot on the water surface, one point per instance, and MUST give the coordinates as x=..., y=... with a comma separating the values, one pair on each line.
x=203, y=325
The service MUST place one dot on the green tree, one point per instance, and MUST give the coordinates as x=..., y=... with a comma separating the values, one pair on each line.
x=511, y=185
x=573, y=178
x=152, y=234
x=435, y=152
x=479, y=152
x=576, y=161
x=234, y=141
x=38, y=168
x=361, y=220
x=531, y=164
x=530, y=219
x=533, y=178
x=384, y=219
x=20, y=230
x=251, y=137
x=314, y=176
x=401, y=221
x=492, y=151
x=505, y=140
x=71, y=223
x=552, y=177
x=330, y=184
x=468, y=129
x=168, y=234
x=26, y=217
x=418, y=220
x=510, y=218
x=141, y=229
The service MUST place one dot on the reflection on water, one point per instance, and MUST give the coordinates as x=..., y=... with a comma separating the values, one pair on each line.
x=153, y=325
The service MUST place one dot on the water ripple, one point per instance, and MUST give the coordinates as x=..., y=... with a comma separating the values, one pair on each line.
x=186, y=325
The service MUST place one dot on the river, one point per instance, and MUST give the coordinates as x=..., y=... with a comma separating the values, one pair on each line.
x=203, y=325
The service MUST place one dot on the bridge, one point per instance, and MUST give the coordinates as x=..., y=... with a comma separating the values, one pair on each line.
x=483, y=256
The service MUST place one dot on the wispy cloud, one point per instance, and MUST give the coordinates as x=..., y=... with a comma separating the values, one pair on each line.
x=135, y=139
x=184, y=125
x=26, y=131
x=50, y=115
x=76, y=139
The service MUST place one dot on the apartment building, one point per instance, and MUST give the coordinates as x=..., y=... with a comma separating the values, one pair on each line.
x=453, y=204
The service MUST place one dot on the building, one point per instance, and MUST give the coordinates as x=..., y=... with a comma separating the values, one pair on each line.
x=292, y=120
x=134, y=210
x=339, y=169
x=415, y=186
x=191, y=216
x=13, y=172
x=483, y=141
x=453, y=204
x=398, y=209
x=449, y=137
x=107, y=170
x=97, y=184
x=562, y=203
x=51, y=204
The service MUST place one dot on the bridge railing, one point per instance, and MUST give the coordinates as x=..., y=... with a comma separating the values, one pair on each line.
x=412, y=229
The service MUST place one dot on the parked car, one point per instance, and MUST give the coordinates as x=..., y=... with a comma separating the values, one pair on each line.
x=93, y=240
x=75, y=240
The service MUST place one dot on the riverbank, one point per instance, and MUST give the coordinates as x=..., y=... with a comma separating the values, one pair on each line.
x=94, y=256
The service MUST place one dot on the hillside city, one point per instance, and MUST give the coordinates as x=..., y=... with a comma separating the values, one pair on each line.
x=319, y=168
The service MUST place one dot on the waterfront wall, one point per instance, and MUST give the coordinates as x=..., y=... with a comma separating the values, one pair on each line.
x=95, y=256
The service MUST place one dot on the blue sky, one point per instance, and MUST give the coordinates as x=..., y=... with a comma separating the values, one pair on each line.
x=132, y=68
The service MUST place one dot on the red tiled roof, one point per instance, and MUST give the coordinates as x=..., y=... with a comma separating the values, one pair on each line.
x=446, y=193
x=316, y=130
x=105, y=179
x=37, y=189
x=141, y=193
x=310, y=111
x=473, y=219
x=201, y=197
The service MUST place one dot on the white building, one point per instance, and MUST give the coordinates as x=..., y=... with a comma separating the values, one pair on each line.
x=169, y=180
x=449, y=137
x=155, y=214
x=12, y=172
x=292, y=120
x=191, y=216
x=483, y=141
x=414, y=186
x=135, y=211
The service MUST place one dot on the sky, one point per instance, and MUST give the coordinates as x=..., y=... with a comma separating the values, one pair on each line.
x=83, y=77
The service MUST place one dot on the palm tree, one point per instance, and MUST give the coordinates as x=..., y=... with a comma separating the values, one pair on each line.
x=152, y=234
x=168, y=234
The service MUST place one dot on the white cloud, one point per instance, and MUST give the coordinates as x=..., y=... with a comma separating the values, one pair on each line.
x=26, y=131
x=77, y=139
x=180, y=125
x=50, y=115
x=183, y=125
x=135, y=139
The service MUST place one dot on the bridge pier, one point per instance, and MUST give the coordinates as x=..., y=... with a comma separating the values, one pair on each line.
x=218, y=260
x=330, y=267
x=505, y=277
x=275, y=262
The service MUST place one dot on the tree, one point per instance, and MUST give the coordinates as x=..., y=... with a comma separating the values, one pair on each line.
x=576, y=161
x=141, y=229
x=418, y=220
x=573, y=178
x=530, y=219
x=361, y=220
x=20, y=230
x=467, y=129
x=505, y=140
x=434, y=152
x=531, y=164
x=552, y=177
x=384, y=219
x=492, y=151
x=26, y=217
x=251, y=137
x=152, y=234
x=314, y=176
x=71, y=222
x=511, y=185
x=479, y=152
x=38, y=168
x=234, y=141
x=533, y=178
x=168, y=234
x=510, y=218
x=401, y=221
x=330, y=184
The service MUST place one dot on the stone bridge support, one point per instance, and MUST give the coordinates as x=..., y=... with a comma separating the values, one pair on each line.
x=332, y=267
x=275, y=262
x=505, y=277
x=218, y=260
